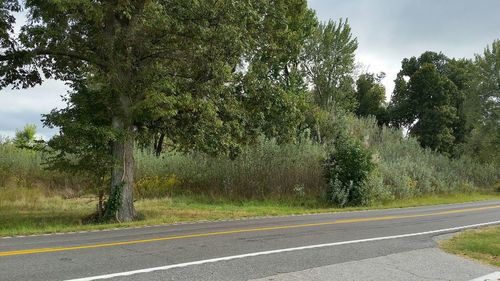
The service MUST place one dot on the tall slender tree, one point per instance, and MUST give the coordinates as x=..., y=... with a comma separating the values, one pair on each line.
x=328, y=61
x=483, y=106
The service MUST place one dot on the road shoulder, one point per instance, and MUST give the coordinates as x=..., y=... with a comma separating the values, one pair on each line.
x=415, y=265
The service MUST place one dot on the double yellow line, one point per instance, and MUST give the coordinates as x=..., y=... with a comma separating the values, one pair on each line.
x=244, y=230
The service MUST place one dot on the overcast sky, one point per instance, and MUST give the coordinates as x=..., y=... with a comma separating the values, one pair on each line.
x=387, y=32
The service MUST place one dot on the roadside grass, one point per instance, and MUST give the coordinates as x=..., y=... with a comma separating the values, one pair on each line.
x=480, y=244
x=28, y=211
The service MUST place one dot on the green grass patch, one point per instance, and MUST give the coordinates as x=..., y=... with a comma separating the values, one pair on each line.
x=479, y=244
x=29, y=211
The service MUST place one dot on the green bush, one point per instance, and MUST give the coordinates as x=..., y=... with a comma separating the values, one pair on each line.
x=346, y=170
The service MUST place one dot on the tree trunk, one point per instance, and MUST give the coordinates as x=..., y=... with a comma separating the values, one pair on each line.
x=159, y=145
x=122, y=176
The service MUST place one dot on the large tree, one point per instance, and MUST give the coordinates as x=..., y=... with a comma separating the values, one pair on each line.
x=168, y=64
x=428, y=99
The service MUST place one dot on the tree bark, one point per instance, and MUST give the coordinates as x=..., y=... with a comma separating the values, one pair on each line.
x=159, y=145
x=122, y=176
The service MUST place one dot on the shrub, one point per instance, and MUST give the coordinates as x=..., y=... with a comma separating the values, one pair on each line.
x=377, y=192
x=346, y=171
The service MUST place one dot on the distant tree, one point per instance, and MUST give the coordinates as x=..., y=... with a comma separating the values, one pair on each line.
x=26, y=138
x=484, y=106
x=370, y=95
x=328, y=60
x=430, y=103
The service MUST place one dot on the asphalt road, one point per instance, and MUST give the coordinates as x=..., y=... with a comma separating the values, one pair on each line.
x=236, y=250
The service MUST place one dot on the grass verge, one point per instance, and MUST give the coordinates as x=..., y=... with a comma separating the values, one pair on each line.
x=28, y=211
x=480, y=244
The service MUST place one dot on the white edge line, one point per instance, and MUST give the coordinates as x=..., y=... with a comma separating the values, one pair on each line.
x=167, y=267
x=490, y=277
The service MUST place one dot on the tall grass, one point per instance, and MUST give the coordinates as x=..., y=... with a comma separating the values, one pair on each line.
x=24, y=168
x=407, y=170
x=263, y=171
x=271, y=171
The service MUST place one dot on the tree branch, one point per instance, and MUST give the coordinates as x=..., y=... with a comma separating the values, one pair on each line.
x=46, y=52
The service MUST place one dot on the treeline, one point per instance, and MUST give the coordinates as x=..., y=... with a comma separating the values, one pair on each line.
x=223, y=79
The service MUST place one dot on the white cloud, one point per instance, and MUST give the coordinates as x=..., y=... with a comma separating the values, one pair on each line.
x=387, y=30
x=390, y=30
x=38, y=99
x=20, y=107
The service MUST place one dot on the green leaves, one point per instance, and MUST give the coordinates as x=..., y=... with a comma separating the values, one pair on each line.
x=430, y=103
x=370, y=95
x=346, y=171
x=328, y=60
x=483, y=106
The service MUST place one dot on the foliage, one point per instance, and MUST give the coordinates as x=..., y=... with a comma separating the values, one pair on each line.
x=26, y=138
x=346, y=170
x=370, y=95
x=408, y=170
x=23, y=168
x=484, y=107
x=168, y=68
x=323, y=126
x=328, y=61
x=7, y=21
x=268, y=170
x=430, y=103
x=244, y=99
x=82, y=148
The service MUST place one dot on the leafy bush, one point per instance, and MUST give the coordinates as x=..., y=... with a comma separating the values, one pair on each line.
x=346, y=170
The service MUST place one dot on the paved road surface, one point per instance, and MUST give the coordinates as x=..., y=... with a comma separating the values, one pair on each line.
x=280, y=248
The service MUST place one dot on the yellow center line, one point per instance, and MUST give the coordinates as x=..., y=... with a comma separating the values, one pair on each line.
x=245, y=230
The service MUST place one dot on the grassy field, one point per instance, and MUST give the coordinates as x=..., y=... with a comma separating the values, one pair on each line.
x=479, y=244
x=28, y=211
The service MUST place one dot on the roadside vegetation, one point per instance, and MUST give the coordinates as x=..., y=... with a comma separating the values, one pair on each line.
x=267, y=179
x=33, y=211
x=479, y=244
x=296, y=172
x=258, y=110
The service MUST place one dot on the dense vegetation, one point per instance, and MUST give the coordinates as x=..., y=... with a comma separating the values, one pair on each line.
x=239, y=100
x=272, y=171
